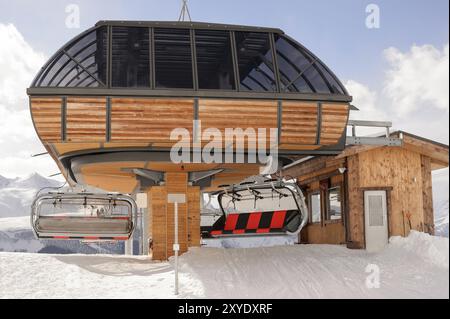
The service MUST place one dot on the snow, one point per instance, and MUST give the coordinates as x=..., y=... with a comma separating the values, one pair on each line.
x=428, y=248
x=413, y=267
x=250, y=242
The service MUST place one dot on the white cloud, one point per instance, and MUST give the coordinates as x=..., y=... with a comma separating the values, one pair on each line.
x=414, y=96
x=366, y=100
x=19, y=63
x=418, y=78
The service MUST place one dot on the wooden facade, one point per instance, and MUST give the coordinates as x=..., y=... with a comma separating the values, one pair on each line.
x=403, y=172
x=301, y=125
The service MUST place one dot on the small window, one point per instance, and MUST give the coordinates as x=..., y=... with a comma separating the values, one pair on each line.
x=214, y=60
x=315, y=207
x=255, y=60
x=173, y=59
x=130, y=57
x=334, y=209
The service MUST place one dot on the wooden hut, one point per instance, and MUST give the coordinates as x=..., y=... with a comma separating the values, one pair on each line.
x=368, y=193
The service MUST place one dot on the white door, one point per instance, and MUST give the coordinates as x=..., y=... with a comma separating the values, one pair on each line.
x=375, y=212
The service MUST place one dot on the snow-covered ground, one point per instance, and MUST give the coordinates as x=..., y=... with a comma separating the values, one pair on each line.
x=413, y=267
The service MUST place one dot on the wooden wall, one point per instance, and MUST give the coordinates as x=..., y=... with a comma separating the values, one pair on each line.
x=83, y=120
x=162, y=219
x=46, y=114
x=325, y=232
x=355, y=209
x=400, y=169
x=404, y=174
x=427, y=195
x=86, y=120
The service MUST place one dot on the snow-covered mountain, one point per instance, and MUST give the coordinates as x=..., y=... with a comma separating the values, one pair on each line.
x=17, y=194
x=441, y=210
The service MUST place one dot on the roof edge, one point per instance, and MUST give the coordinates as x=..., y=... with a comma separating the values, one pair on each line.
x=187, y=25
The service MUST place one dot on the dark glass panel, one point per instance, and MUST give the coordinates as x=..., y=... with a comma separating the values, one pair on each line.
x=60, y=63
x=255, y=61
x=316, y=80
x=299, y=71
x=173, y=59
x=335, y=86
x=214, y=60
x=130, y=57
x=87, y=52
x=92, y=50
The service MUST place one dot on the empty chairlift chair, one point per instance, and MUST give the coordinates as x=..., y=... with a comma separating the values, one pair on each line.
x=83, y=216
x=260, y=209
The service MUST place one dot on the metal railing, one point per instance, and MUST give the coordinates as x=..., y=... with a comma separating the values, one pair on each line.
x=386, y=140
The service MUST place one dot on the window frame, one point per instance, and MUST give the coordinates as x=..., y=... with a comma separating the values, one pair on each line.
x=310, y=195
x=326, y=212
x=110, y=60
x=233, y=52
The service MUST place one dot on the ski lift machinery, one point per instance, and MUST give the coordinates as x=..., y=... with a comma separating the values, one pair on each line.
x=260, y=208
x=83, y=216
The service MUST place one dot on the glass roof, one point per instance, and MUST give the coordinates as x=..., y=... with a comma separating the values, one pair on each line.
x=188, y=56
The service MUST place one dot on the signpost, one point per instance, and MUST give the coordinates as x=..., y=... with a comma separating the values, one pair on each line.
x=176, y=199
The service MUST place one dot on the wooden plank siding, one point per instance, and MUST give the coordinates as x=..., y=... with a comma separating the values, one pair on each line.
x=334, y=123
x=157, y=204
x=299, y=123
x=400, y=169
x=229, y=114
x=193, y=199
x=86, y=120
x=150, y=121
x=46, y=113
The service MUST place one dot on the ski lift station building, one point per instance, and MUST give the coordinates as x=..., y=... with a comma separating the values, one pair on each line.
x=105, y=106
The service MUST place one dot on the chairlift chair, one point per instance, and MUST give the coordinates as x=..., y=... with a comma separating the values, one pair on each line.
x=83, y=216
x=272, y=207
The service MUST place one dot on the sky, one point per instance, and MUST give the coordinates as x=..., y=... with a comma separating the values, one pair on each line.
x=397, y=72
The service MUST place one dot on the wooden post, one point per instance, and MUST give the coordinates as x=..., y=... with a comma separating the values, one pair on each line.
x=355, y=205
x=162, y=219
x=427, y=194
x=157, y=208
x=193, y=197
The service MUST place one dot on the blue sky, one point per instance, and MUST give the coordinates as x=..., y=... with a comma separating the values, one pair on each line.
x=333, y=30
